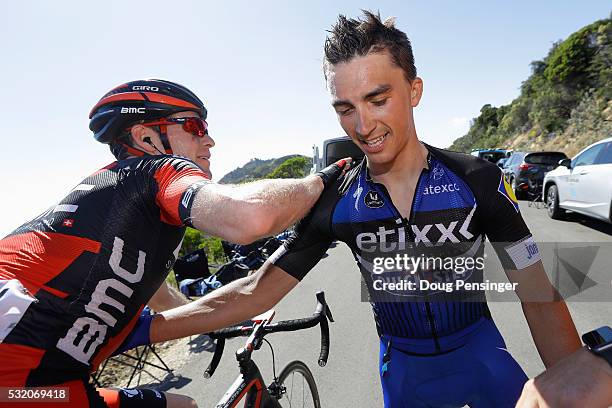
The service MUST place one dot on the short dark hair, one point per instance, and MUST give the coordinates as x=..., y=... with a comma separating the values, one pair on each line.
x=351, y=37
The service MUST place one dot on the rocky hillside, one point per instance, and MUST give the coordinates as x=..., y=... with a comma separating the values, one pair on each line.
x=272, y=168
x=565, y=104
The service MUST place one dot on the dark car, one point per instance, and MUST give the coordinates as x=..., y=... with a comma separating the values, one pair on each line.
x=528, y=169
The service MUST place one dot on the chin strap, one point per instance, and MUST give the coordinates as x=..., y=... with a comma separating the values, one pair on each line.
x=162, y=129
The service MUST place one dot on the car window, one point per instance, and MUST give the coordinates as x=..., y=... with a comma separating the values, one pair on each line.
x=340, y=149
x=587, y=157
x=516, y=158
x=545, y=158
x=605, y=154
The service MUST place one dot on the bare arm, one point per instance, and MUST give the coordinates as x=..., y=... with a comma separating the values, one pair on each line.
x=230, y=304
x=166, y=298
x=245, y=213
x=545, y=314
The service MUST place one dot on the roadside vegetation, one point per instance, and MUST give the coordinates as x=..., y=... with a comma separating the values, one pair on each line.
x=564, y=105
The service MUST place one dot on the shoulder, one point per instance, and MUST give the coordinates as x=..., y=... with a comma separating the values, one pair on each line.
x=160, y=168
x=334, y=193
x=463, y=164
x=481, y=175
x=154, y=163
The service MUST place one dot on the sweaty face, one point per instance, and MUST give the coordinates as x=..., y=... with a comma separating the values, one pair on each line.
x=187, y=145
x=374, y=101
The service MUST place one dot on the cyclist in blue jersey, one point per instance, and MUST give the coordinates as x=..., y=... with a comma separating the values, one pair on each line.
x=437, y=349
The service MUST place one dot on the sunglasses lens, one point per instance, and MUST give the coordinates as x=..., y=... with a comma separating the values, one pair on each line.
x=195, y=126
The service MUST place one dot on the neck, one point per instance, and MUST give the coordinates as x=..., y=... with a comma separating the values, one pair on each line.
x=406, y=165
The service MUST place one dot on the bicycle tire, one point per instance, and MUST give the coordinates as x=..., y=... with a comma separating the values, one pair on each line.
x=301, y=368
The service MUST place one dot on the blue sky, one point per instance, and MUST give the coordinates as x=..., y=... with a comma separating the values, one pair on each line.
x=257, y=68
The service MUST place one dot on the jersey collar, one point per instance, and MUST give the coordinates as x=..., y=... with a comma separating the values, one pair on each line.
x=426, y=164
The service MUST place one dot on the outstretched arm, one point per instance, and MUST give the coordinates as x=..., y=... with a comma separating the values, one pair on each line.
x=166, y=298
x=233, y=303
x=245, y=213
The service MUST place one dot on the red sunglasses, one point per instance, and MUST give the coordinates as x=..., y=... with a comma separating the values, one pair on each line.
x=194, y=125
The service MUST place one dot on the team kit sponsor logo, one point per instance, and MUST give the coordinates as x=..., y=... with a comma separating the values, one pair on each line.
x=373, y=199
x=88, y=333
x=394, y=239
x=442, y=188
x=125, y=109
x=145, y=88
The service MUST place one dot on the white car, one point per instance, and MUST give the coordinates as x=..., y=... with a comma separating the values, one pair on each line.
x=582, y=184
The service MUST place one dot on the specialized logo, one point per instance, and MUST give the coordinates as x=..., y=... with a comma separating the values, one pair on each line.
x=145, y=88
x=356, y=196
x=132, y=110
x=443, y=188
x=507, y=191
x=373, y=200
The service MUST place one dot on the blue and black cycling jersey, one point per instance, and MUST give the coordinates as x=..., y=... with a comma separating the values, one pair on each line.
x=459, y=199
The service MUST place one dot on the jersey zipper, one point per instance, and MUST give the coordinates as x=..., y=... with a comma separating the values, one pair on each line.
x=407, y=223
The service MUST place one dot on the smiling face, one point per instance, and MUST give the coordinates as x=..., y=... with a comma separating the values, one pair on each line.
x=374, y=102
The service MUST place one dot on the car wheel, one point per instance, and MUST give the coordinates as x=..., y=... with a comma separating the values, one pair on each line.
x=552, y=203
x=517, y=193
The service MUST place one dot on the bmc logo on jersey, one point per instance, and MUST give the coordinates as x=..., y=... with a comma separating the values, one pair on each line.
x=108, y=302
x=132, y=110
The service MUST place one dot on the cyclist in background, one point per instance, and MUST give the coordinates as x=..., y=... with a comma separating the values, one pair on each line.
x=439, y=350
x=74, y=281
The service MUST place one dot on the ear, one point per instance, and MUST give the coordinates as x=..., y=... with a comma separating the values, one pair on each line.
x=139, y=133
x=417, y=91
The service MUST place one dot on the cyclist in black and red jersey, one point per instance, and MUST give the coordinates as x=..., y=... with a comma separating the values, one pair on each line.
x=74, y=280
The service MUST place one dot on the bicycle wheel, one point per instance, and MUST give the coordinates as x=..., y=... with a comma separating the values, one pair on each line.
x=300, y=387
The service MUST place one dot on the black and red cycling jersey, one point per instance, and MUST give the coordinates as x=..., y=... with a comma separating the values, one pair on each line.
x=92, y=262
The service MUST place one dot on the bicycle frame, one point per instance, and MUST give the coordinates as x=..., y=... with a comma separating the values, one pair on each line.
x=250, y=384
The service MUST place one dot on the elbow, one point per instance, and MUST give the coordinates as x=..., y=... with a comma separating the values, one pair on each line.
x=265, y=289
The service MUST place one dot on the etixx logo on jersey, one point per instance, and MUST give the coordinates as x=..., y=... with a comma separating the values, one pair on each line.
x=373, y=199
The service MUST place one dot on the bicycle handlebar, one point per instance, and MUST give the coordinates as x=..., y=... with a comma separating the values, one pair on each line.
x=320, y=316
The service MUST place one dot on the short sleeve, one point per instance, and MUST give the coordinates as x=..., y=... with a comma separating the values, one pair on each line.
x=177, y=182
x=502, y=221
x=310, y=240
